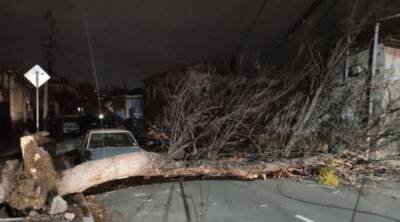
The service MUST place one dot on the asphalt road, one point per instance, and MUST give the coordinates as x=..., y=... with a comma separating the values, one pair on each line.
x=272, y=200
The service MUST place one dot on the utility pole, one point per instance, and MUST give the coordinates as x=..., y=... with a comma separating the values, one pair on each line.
x=49, y=46
x=37, y=102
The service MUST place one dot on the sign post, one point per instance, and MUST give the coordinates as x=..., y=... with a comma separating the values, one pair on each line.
x=37, y=76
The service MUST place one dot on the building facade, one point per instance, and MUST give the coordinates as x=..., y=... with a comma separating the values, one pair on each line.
x=17, y=93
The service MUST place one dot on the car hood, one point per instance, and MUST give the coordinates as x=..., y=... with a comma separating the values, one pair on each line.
x=105, y=152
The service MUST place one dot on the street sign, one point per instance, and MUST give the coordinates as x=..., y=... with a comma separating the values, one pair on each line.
x=37, y=76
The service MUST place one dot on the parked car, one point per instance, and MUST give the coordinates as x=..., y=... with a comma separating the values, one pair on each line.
x=70, y=127
x=70, y=124
x=104, y=143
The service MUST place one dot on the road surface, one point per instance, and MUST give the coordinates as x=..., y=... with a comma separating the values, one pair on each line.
x=271, y=200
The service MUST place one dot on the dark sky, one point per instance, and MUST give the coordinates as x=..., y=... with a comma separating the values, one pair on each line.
x=137, y=38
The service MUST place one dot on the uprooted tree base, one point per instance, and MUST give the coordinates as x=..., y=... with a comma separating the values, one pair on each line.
x=36, y=179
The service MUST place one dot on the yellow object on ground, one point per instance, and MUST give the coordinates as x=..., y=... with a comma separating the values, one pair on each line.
x=328, y=177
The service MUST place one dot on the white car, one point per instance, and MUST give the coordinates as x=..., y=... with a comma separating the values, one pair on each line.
x=103, y=143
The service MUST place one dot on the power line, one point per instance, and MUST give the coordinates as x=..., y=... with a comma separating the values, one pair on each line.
x=102, y=61
x=326, y=12
x=69, y=65
x=60, y=45
x=303, y=20
x=250, y=27
x=63, y=44
x=136, y=38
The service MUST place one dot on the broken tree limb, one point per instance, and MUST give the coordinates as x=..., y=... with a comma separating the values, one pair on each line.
x=245, y=170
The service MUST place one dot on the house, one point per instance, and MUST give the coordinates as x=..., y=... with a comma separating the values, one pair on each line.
x=16, y=104
x=17, y=99
x=383, y=96
x=128, y=105
x=17, y=93
x=63, y=96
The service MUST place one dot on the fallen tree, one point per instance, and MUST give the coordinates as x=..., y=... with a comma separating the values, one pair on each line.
x=37, y=182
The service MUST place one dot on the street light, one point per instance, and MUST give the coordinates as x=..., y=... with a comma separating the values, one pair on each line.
x=94, y=70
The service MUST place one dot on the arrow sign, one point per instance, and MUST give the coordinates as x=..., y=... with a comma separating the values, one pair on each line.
x=37, y=76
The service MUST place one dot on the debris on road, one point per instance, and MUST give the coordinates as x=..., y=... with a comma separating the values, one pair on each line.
x=69, y=216
x=99, y=213
x=353, y=166
x=58, y=205
x=328, y=177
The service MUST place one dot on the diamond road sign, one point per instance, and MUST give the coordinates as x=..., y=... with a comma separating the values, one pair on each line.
x=37, y=76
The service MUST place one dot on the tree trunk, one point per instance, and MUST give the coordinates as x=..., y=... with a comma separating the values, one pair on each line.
x=95, y=172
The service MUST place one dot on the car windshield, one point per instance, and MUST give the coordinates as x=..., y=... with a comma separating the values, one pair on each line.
x=99, y=140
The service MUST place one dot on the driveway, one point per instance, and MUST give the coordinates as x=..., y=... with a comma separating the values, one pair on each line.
x=228, y=200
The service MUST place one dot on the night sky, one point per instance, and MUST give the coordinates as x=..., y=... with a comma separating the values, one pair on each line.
x=135, y=39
